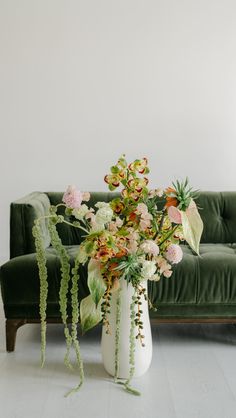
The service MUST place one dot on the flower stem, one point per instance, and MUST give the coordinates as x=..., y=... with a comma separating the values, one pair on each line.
x=169, y=235
x=75, y=226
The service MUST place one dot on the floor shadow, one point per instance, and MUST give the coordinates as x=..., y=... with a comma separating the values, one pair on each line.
x=194, y=333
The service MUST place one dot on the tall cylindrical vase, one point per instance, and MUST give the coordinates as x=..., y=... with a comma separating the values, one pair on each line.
x=143, y=354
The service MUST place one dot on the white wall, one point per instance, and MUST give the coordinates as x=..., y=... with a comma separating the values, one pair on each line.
x=83, y=81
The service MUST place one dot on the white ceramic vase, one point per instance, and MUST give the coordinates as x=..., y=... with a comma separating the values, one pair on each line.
x=143, y=355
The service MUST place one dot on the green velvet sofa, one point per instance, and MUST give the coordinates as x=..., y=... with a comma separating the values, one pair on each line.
x=202, y=288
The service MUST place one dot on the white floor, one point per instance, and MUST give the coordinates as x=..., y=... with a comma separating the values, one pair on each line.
x=193, y=375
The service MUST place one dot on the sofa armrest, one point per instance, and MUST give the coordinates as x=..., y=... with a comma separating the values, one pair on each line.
x=23, y=213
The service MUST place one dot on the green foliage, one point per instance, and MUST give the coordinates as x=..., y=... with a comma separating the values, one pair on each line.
x=192, y=228
x=90, y=315
x=184, y=194
x=131, y=268
x=96, y=283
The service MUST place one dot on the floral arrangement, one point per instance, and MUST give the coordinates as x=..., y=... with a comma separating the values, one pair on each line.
x=134, y=237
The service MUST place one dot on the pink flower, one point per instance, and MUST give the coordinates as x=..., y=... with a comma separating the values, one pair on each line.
x=167, y=273
x=174, y=215
x=156, y=192
x=86, y=196
x=150, y=247
x=72, y=197
x=90, y=215
x=174, y=253
x=142, y=209
x=146, y=217
x=115, y=225
x=162, y=264
x=144, y=224
x=132, y=246
x=132, y=238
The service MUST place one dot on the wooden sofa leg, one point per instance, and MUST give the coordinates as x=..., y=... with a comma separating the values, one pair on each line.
x=12, y=326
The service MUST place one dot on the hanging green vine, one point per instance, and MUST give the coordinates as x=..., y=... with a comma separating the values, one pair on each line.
x=65, y=279
x=41, y=261
x=75, y=320
x=71, y=338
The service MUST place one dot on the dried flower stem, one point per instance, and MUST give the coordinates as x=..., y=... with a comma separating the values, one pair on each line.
x=132, y=346
x=105, y=307
x=117, y=336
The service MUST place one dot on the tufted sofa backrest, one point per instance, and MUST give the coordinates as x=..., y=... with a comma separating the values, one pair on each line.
x=218, y=212
x=217, y=209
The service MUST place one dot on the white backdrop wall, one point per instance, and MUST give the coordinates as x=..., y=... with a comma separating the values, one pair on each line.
x=83, y=81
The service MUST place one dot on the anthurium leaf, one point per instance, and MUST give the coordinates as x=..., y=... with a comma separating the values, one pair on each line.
x=90, y=315
x=96, y=283
x=192, y=226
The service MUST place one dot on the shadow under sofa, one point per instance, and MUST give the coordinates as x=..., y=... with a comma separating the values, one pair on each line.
x=201, y=288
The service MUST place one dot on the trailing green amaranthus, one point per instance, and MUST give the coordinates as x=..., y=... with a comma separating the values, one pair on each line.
x=71, y=337
x=41, y=260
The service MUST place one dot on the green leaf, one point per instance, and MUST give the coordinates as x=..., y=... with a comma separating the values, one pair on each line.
x=90, y=315
x=115, y=169
x=89, y=246
x=96, y=283
x=192, y=226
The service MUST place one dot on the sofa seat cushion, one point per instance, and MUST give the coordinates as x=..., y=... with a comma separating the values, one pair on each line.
x=196, y=283
x=217, y=274
x=20, y=280
x=208, y=279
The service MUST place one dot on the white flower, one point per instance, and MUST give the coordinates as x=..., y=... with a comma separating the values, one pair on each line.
x=100, y=205
x=81, y=212
x=97, y=227
x=156, y=192
x=155, y=277
x=104, y=213
x=115, y=225
x=148, y=269
x=150, y=247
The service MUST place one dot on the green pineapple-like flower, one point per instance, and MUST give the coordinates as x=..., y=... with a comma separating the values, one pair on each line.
x=183, y=194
